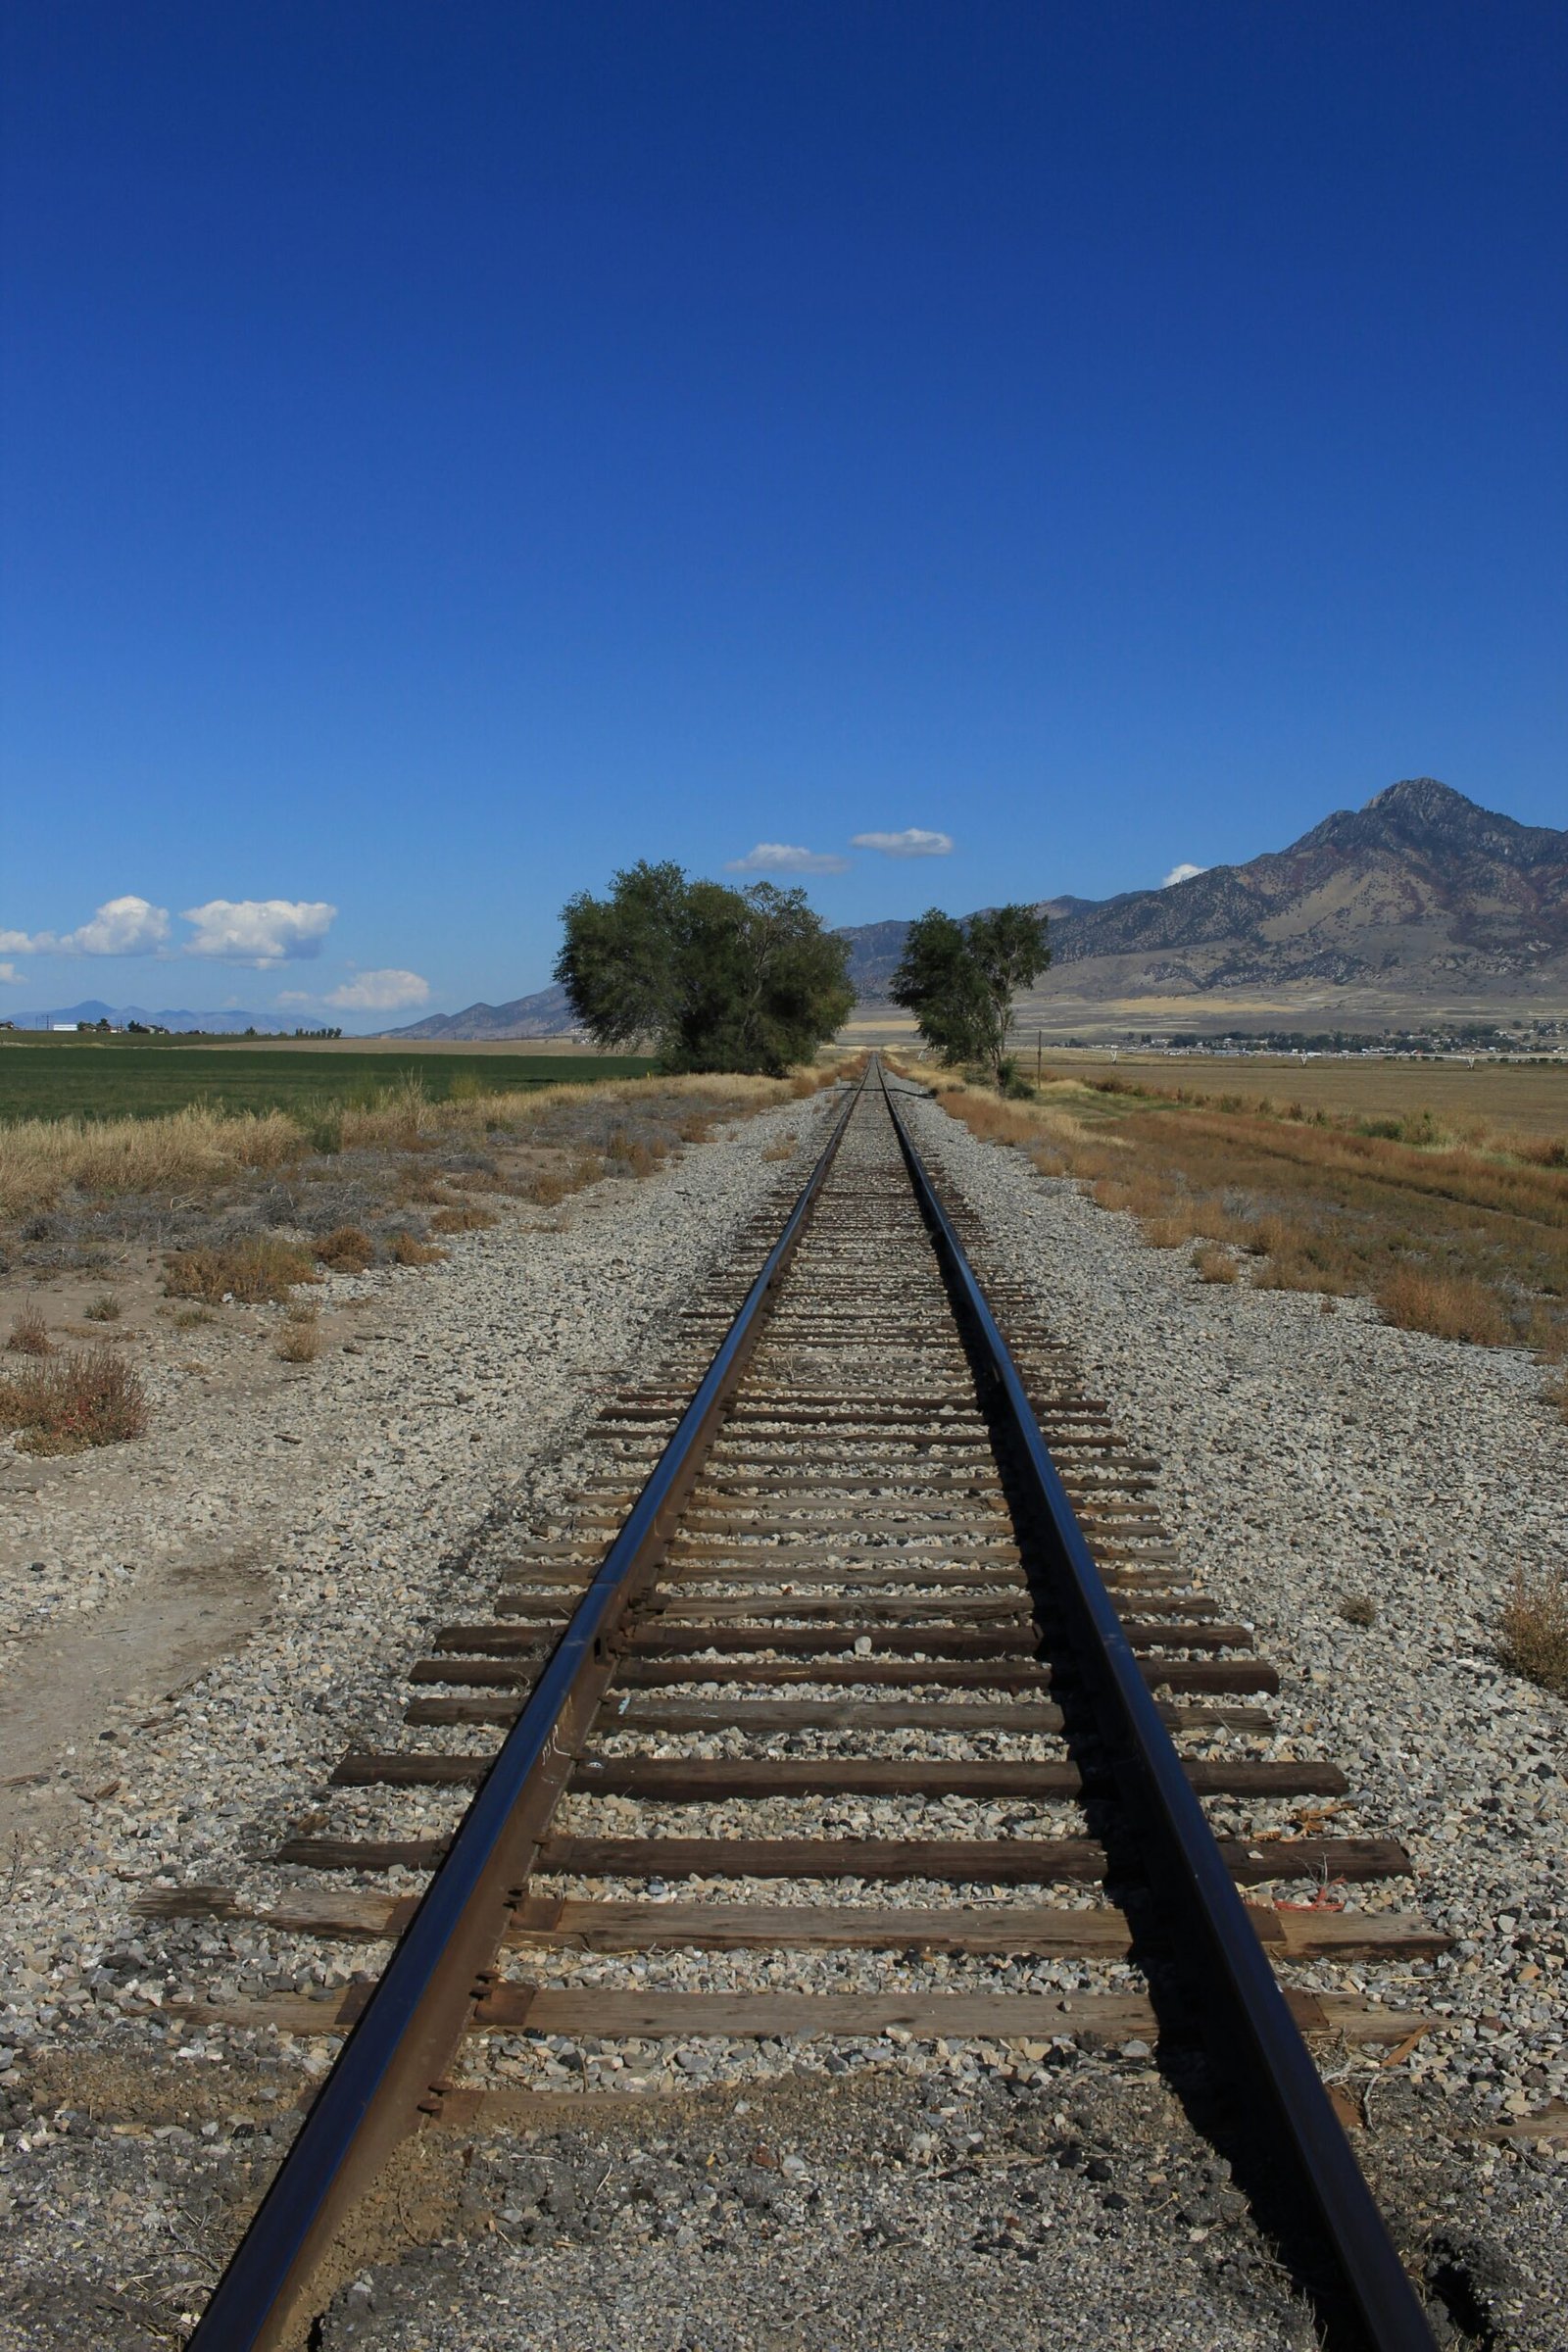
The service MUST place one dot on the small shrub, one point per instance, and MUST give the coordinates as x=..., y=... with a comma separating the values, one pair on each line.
x=187, y=1318
x=694, y=1128
x=91, y=1400
x=407, y=1250
x=105, y=1308
x=1212, y=1264
x=29, y=1334
x=466, y=1217
x=629, y=1157
x=323, y=1129
x=1534, y=1630
x=300, y=1340
x=260, y=1270
x=1358, y=1608
x=783, y=1149
x=1451, y=1306
x=346, y=1249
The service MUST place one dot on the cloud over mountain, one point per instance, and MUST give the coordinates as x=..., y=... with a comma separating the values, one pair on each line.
x=380, y=992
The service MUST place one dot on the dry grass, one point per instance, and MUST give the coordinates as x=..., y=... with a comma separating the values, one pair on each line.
x=1212, y=1263
x=346, y=1249
x=91, y=1400
x=105, y=1308
x=260, y=1271
x=465, y=1216
x=1451, y=1306
x=299, y=1342
x=198, y=1149
x=628, y=1155
x=1358, y=1608
x=784, y=1149
x=39, y=1158
x=1461, y=1230
x=407, y=1250
x=1534, y=1630
x=29, y=1334
x=190, y=1318
x=549, y=1186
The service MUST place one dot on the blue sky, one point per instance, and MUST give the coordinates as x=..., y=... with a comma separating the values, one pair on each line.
x=451, y=452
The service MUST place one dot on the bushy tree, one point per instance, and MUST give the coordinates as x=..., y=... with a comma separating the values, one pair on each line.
x=960, y=979
x=712, y=978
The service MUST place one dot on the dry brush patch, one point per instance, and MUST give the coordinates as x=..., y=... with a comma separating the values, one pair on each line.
x=260, y=1270
x=29, y=1334
x=1534, y=1630
x=91, y=1400
x=346, y=1249
x=465, y=1216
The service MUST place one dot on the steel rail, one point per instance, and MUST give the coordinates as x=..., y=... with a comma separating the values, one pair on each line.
x=390, y=2068
x=1240, y=1990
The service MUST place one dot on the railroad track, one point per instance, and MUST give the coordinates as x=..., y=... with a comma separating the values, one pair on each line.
x=866, y=1639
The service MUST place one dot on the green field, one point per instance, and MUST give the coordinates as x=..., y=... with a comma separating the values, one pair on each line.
x=57, y=1077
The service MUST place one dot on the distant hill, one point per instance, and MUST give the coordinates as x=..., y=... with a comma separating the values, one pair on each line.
x=1420, y=895
x=546, y=1013
x=94, y=1009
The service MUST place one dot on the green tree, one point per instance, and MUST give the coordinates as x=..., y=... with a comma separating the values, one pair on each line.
x=959, y=980
x=712, y=978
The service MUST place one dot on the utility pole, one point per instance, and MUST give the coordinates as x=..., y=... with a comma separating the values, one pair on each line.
x=1039, y=1040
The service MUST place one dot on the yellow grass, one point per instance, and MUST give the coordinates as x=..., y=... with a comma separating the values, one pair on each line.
x=40, y=1158
x=199, y=1148
x=1461, y=1234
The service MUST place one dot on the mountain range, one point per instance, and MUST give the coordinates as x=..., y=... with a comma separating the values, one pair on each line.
x=1420, y=902
x=93, y=1009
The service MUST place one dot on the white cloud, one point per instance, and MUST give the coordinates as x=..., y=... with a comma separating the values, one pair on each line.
x=1182, y=873
x=128, y=926
x=780, y=858
x=912, y=842
x=259, y=931
x=378, y=992
x=9, y=971
x=120, y=927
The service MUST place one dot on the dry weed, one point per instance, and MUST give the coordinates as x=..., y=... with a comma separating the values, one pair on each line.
x=783, y=1149
x=299, y=1342
x=29, y=1334
x=407, y=1250
x=466, y=1216
x=1212, y=1263
x=1451, y=1306
x=1534, y=1630
x=628, y=1157
x=346, y=1249
x=105, y=1308
x=1358, y=1608
x=91, y=1400
x=260, y=1270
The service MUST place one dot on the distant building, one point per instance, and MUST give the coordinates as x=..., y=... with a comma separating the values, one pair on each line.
x=71, y=1026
